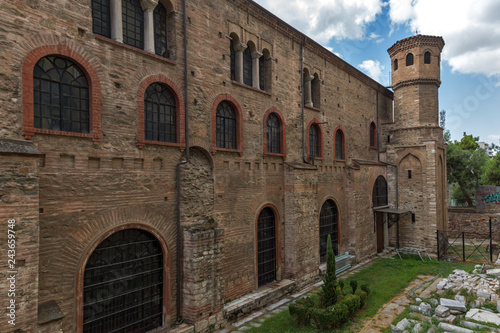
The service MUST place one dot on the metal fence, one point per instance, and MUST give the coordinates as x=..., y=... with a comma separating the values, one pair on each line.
x=465, y=246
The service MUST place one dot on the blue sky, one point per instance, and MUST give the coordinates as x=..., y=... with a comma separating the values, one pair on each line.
x=361, y=31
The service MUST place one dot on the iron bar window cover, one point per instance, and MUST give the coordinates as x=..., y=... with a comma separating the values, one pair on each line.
x=273, y=134
x=101, y=18
x=379, y=194
x=328, y=225
x=266, y=239
x=133, y=23
x=339, y=145
x=160, y=27
x=123, y=284
x=247, y=67
x=226, y=126
x=160, y=114
x=313, y=141
x=61, y=96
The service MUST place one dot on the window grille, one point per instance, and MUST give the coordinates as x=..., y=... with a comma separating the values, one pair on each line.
x=133, y=23
x=273, y=134
x=101, y=18
x=226, y=126
x=379, y=194
x=427, y=57
x=160, y=114
x=373, y=135
x=247, y=67
x=266, y=239
x=313, y=141
x=409, y=59
x=328, y=225
x=61, y=96
x=233, y=61
x=123, y=284
x=339, y=145
x=160, y=27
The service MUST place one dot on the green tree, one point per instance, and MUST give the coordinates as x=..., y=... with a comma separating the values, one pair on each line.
x=465, y=163
x=330, y=286
x=491, y=175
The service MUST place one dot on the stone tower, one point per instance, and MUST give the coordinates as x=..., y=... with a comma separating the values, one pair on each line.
x=415, y=144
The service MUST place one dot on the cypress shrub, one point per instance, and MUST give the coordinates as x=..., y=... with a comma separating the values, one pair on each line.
x=330, y=286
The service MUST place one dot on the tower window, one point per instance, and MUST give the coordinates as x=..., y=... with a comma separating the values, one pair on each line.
x=226, y=126
x=395, y=64
x=427, y=57
x=314, y=141
x=409, y=174
x=409, y=59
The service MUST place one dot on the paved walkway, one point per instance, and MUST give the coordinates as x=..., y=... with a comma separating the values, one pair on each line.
x=257, y=318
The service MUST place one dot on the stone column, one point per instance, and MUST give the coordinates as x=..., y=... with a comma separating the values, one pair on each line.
x=307, y=89
x=116, y=20
x=238, y=64
x=255, y=69
x=149, y=30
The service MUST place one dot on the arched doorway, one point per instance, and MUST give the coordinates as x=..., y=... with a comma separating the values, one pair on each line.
x=266, y=247
x=379, y=199
x=123, y=284
x=328, y=225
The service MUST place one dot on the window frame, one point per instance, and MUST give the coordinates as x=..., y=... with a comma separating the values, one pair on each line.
x=343, y=159
x=277, y=231
x=239, y=124
x=336, y=242
x=320, y=140
x=396, y=64
x=410, y=59
x=63, y=51
x=180, y=112
x=282, y=152
x=427, y=57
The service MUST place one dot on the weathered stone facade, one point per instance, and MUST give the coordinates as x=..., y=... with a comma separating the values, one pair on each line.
x=202, y=204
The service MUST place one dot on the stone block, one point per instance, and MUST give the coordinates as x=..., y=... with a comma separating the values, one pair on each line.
x=403, y=324
x=483, y=316
x=452, y=328
x=442, y=311
x=494, y=272
x=453, y=304
x=426, y=309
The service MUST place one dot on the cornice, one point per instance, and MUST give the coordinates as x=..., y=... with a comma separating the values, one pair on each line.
x=406, y=83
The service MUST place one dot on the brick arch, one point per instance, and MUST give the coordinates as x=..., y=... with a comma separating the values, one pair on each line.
x=371, y=183
x=320, y=139
x=339, y=219
x=277, y=232
x=239, y=123
x=413, y=152
x=282, y=132
x=341, y=129
x=65, y=51
x=180, y=115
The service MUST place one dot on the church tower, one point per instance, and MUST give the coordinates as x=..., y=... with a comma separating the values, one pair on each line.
x=415, y=144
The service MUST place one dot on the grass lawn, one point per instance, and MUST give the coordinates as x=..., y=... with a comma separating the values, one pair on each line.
x=386, y=278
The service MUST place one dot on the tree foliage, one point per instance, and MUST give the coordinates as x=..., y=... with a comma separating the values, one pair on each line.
x=491, y=175
x=330, y=287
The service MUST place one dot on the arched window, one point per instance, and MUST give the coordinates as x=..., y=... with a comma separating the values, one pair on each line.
x=316, y=91
x=101, y=18
x=395, y=64
x=273, y=134
x=160, y=29
x=133, y=23
x=409, y=59
x=266, y=247
x=379, y=194
x=328, y=225
x=314, y=141
x=159, y=114
x=233, y=60
x=226, y=126
x=427, y=57
x=339, y=145
x=123, y=284
x=373, y=135
x=247, y=67
x=61, y=96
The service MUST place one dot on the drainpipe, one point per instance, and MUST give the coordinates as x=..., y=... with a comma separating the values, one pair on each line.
x=178, y=169
x=387, y=163
x=304, y=159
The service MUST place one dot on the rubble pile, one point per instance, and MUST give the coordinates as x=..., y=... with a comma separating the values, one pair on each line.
x=462, y=303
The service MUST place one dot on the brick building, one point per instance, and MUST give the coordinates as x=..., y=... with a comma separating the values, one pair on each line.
x=162, y=158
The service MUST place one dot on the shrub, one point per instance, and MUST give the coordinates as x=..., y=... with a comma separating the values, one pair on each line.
x=331, y=317
x=366, y=288
x=301, y=311
x=341, y=284
x=354, y=285
x=330, y=285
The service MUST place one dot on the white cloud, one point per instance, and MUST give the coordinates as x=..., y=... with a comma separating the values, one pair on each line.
x=471, y=30
x=494, y=138
x=323, y=20
x=373, y=69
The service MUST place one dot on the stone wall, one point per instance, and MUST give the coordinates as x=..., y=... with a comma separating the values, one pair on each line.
x=474, y=221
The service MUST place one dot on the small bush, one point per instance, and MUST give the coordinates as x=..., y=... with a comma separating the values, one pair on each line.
x=354, y=285
x=341, y=284
x=366, y=288
x=301, y=311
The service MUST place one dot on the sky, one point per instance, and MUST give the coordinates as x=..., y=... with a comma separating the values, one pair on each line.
x=361, y=31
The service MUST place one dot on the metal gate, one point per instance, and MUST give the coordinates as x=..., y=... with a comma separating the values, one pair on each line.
x=465, y=246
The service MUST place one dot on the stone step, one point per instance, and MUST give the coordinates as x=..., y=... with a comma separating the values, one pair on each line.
x=257, y=300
